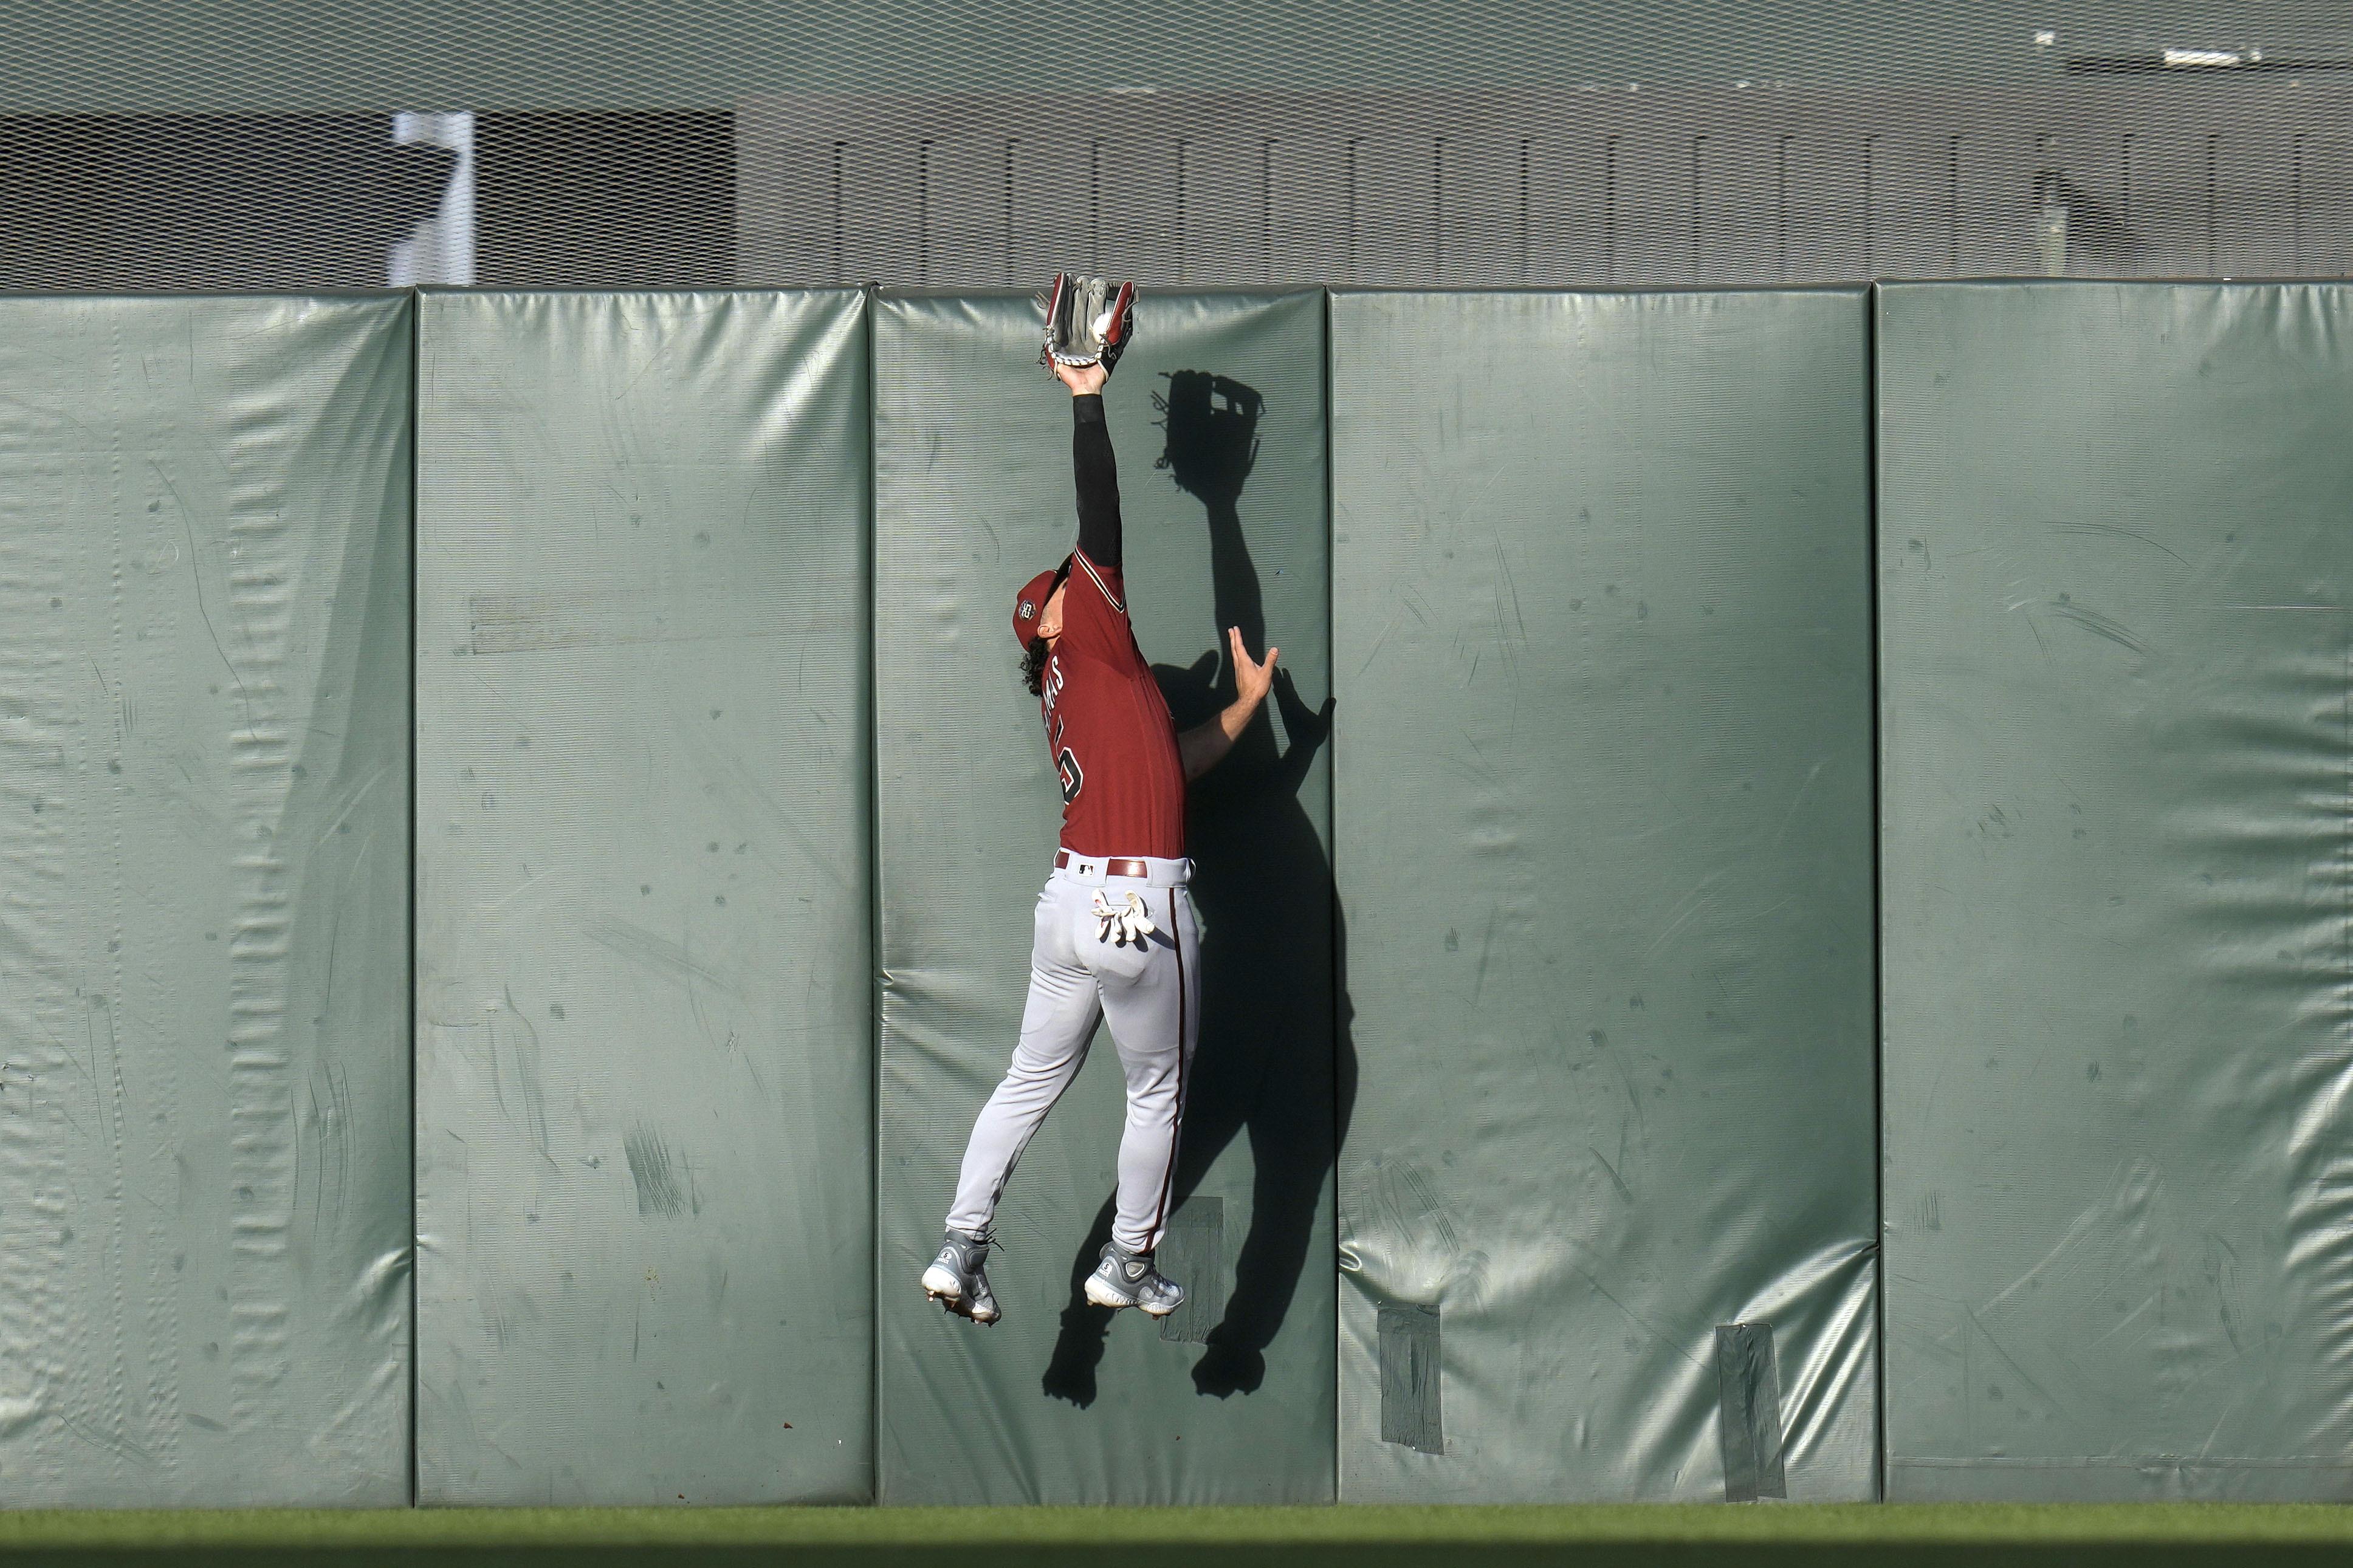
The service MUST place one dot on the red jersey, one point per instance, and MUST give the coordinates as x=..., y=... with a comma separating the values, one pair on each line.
x=1108, y=728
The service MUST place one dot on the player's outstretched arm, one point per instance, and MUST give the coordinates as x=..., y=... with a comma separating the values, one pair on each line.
x=1096, y=469
x=1204, y=747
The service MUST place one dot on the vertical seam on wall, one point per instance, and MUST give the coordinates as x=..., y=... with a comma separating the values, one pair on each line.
x=868, y=301
x=1334, y=930
x=416, y=406
x=1872, y=295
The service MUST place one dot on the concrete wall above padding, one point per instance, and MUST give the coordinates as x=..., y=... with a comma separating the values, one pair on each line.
x=203, y=902
x=1602, y=624
x=645, y=1195
x=2114, y=570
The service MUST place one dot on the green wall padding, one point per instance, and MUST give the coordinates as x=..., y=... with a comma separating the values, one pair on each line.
x=973, y=494
x=1602, y=624
x=2113, y=563
x=204, y=898
x=645, y=1057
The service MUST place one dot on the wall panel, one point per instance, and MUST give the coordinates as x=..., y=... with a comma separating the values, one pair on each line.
x=1218, y=417
x=2115, y=654
x=1602, y=624
x=203, y=902
x=645, y=1063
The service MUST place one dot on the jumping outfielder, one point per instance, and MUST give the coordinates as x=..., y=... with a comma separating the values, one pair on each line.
x=1115, y=935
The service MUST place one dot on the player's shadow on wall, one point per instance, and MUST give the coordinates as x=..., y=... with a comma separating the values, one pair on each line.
x=1274, y=1060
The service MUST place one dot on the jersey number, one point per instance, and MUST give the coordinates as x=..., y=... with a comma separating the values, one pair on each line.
x=1072, y=779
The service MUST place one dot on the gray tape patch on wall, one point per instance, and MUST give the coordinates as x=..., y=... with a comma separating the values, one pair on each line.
x=1409, y=1406
x=1751, y=1382
x=1193, y=1249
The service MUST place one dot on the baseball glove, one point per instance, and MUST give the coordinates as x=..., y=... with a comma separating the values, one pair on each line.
x=1088, y=321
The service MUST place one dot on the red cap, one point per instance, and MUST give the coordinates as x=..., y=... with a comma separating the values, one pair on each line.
x=1031, y=604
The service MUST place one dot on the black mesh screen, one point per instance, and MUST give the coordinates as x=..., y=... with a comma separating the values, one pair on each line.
x=239, y=144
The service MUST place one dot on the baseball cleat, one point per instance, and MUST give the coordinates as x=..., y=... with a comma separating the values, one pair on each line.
x=958, y=1280
x=1129, y=1280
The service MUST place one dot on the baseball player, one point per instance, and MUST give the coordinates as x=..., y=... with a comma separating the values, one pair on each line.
x=1115, y=935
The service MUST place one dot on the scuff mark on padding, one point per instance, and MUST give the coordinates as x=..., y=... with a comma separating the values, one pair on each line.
x=656, y=1172
x=532, y=623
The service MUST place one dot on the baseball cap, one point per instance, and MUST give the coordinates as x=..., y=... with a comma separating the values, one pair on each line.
x=1030, y=604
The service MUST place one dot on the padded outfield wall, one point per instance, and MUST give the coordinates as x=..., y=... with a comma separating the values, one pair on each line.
x=1601, y=608
x=1539, y=907
x=1218, y=418
x=203, y=902
x=643, y=1171
x=2118, y=747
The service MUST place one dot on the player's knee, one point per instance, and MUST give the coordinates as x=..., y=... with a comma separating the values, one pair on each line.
x=1037, y=1071
x=1152, y=1100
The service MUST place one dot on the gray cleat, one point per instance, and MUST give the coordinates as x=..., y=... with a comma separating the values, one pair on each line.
x=957, y=1279
x=1129, y=1280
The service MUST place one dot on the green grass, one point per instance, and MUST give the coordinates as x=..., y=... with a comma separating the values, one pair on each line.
x=1200, y=1537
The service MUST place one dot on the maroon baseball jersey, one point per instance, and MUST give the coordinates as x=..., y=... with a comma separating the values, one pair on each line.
x=1114, y=744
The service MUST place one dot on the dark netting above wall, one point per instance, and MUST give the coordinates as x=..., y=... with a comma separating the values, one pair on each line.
x=236, y=144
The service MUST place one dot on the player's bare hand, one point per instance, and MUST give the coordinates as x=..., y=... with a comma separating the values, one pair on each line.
x=1081, y=379
x=1250, y=680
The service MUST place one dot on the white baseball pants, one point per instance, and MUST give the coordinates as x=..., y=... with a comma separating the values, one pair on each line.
x=1085, y=968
